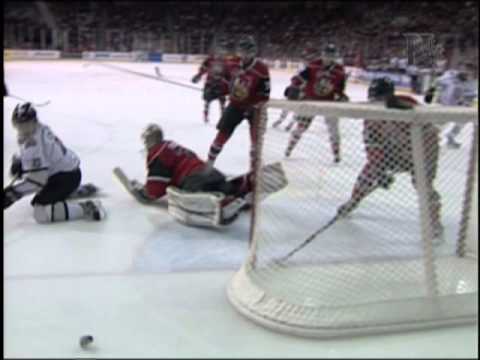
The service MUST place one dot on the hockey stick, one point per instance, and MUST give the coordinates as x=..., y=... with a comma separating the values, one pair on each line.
x=133, y=72
x=332, y=221
x=127, y=185
x=14, y=178
x=34, y=104
x=157, y=71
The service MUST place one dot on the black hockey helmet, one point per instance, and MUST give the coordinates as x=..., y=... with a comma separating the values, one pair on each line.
x=381, y=88
x=330, y=49
x=247, y=47
x=24, y=113
x=152, y=135
x=329, y=52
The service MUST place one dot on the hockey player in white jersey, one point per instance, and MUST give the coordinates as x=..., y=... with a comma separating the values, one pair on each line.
x=47, y=168
x=454, y=88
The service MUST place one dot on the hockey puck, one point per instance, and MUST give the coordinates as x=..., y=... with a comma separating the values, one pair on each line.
x=85, y=341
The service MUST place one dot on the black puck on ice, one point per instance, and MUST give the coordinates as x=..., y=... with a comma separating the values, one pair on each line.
x=85, y=340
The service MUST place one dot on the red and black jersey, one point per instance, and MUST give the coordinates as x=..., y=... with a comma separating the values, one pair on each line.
x=218, y=74
x=250, y=85
x=394, y=137
x=319, y=81
x=168, y=163
x=214, y=67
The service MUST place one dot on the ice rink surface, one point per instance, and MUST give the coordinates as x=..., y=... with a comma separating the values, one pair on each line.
x=142, y=284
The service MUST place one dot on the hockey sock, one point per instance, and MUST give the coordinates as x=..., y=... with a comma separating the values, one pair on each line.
x=205, y=111
x=217, y=146
x=222, y=104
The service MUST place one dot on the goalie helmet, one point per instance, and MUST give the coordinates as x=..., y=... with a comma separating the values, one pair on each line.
x=247, y=48
x=381, y=88
x=152, y=135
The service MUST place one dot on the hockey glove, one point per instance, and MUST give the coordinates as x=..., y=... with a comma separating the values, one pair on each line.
x=342, y=98
x=292, y=93
x=10, y=196
x=16, y=167
x=429, y=95
x=394, y=102
x=196, y=79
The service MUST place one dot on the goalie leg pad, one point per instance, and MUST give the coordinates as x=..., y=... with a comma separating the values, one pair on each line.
x=195, y=209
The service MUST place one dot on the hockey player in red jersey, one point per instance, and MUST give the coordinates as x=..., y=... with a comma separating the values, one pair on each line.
x=389, y=151
x=308, y=54
x=170, y=165
x=322, y=79
x=250, y=89
x=217, y=82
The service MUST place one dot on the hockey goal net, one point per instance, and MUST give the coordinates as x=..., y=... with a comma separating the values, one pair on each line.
x=384, y=267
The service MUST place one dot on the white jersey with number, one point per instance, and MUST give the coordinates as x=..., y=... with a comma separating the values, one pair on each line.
x=44, y=155
x=452, y=91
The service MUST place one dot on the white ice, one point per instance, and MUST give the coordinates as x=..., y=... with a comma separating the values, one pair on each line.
x=141, y=283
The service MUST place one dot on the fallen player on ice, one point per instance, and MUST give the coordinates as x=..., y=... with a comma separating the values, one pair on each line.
x=197, y=194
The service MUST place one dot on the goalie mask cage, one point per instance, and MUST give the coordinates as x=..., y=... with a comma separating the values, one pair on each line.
x=380, y=269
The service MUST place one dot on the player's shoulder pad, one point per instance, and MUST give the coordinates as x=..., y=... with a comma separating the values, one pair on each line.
x=315, y=64
x=261, y=69
x=157, y=150
x=339, y=68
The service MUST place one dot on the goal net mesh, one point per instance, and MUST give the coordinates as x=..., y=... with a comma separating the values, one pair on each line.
x=404, y=257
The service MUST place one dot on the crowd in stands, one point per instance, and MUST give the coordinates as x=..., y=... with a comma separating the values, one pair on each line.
x=375, y=31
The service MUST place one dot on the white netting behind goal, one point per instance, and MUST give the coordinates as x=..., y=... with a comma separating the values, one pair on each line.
x=405, y=257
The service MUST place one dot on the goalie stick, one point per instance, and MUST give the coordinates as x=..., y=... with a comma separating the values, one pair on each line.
x=130, y=188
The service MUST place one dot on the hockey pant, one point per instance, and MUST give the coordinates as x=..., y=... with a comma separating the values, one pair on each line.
x=50, y=205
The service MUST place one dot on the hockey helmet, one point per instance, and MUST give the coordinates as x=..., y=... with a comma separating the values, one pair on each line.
x=24, y=120
x=23, y=113
x=329, y=52
x=247, y=48
x=381, y=88
x=152, y=135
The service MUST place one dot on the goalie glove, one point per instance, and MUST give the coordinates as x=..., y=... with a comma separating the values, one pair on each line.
x=139, y=191
x=10, y=195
